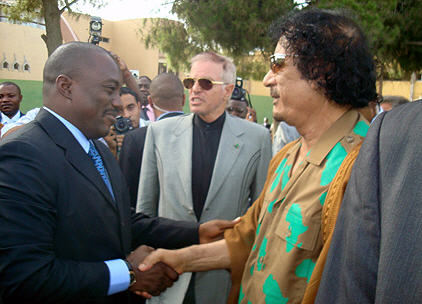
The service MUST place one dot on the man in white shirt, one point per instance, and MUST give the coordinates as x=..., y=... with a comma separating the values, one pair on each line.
x=10, y=100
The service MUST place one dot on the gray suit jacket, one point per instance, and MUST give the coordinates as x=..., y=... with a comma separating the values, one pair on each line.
x=165, y=186
x=375, y=254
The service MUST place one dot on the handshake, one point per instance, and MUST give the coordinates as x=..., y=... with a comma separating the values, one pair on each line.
x=154, y=280
x=156, y=270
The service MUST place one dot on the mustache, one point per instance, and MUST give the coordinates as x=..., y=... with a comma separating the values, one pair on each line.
x=274, y=92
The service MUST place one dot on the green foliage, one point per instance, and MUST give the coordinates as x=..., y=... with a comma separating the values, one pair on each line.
x=172, y=39
x=393, y=27
x=239, y=27
x=24, y=10
x=233, y=27
x=28, y=10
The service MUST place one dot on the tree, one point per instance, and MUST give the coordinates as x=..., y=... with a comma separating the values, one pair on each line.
x=394, y=31
x=50, y=11
x=392, y=26
x=237, y=28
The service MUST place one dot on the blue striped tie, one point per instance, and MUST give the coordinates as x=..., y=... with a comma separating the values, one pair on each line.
x=98, y=163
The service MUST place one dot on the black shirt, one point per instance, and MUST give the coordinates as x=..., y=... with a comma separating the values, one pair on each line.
x=206, y=138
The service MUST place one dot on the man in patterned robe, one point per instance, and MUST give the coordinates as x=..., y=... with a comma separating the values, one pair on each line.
x=321, y=73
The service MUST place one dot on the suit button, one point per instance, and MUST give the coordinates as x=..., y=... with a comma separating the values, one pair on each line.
x=350, y=139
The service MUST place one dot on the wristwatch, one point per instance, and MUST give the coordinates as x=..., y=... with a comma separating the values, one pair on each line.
x=131, y=274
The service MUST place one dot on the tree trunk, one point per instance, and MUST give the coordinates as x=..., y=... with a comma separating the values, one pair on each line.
x=381, y=80
x=53, y=37
x=412, y=85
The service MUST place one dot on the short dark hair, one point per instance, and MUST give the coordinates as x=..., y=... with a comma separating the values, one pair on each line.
x=330, y=49
x=167, y=91
x=126, y=90
x=9, y=83
x=146, y=77
x=70, y=59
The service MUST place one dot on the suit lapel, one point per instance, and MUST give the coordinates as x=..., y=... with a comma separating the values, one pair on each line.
x=182, y=142
x=73, y=152
x=229, y=150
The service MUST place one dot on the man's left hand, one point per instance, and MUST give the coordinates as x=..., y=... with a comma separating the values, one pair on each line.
x=214, y=230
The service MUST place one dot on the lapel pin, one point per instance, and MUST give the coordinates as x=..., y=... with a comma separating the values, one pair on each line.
x=236, y=146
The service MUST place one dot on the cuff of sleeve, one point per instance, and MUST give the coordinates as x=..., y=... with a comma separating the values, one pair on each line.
x=119, y=276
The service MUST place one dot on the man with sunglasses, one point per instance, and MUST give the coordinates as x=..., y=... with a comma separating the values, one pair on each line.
x=321, y=72
x=203, y=166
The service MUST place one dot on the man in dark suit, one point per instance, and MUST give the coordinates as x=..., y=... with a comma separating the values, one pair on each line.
x=65, y=223
x=167, y=97
x=375, y=254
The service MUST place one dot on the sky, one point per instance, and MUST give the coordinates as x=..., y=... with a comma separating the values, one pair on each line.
x=128, y=9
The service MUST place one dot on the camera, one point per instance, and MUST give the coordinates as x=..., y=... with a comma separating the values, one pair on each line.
x=239, y=93
x=122, y=125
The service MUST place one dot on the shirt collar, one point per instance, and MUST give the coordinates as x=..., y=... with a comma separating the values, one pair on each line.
x=79, y=136
x=167, y=113
x=215, y=125
x=343, y=126
x=6, y=120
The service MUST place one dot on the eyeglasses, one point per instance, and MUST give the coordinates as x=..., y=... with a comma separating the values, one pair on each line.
x=277, y=62
x=204, y=83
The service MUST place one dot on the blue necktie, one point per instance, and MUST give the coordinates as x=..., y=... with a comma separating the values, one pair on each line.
x=98, y=163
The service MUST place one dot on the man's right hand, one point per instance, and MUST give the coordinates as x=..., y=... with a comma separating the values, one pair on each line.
x=114, y=141
x=153, y=281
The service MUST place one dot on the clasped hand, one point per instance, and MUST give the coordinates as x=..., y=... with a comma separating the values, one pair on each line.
x=156, y=272
x=153, y=281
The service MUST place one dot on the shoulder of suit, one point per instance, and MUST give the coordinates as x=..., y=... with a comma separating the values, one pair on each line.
x=411, y=109
x=171, y=121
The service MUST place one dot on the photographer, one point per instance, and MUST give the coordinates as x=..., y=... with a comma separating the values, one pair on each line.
x=128, y=120
x=239, y=104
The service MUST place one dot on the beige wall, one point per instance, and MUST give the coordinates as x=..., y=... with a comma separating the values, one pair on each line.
x=125, y=41
x=402, y=88
x=20, y=42
x=127, y=44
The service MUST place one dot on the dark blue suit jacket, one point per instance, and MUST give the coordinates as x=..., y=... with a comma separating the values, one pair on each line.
x=58, y=222
x=375, y=253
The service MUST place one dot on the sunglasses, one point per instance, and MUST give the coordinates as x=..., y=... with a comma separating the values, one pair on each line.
x=204, y=83
x=277, y=62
